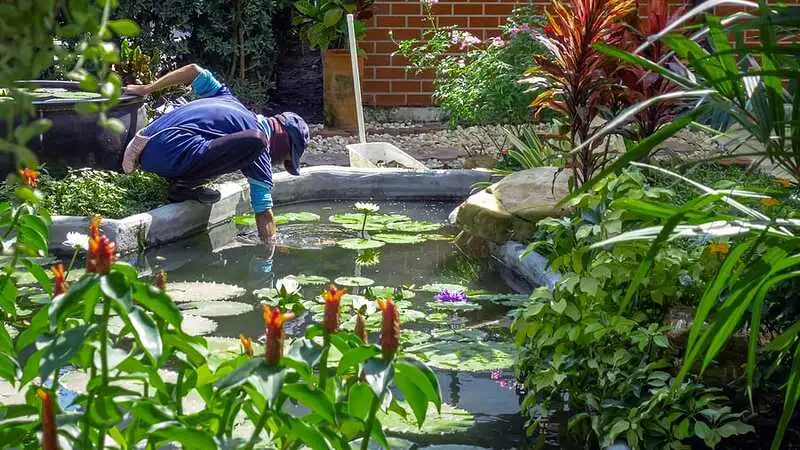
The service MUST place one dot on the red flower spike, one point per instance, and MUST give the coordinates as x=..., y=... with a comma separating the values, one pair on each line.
x=333, y=298
x=361, y=328
x=102, y=253
x=94, y=227
x=247, y=345
x=273, y=321
x=390, y=328
x=61, y=285
x=49, y=435
x=161, y=280
x=30, y=177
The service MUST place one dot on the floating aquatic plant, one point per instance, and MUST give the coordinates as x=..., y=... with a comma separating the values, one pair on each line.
x=413, y=226
x=383, y=291
x=366, y=207
x=465, y=351
x=311, y=280
x=249, y=220
x=451, y=420
x=360, y=244
x=354, y=281
x=217, y=308
x=189, y=291
x=438, y=287
x=396, y=238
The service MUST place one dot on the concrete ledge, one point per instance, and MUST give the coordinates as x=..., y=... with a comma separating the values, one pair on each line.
x=533, y=268
x=178, y=220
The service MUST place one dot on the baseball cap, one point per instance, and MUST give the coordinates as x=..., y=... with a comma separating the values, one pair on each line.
x=297, y=129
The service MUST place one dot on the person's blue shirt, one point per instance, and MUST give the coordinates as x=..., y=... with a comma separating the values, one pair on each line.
x=180, y=136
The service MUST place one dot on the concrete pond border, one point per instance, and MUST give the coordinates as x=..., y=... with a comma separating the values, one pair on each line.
x=175, y=221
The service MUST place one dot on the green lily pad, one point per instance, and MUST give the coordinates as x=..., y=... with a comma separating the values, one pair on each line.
x=438, y=287
x=300, y=217
x=358, y=218
x=196, y=291
x=311, y=280
x=454, y=306
x=360, y=244
x=347, y=218
x=266, y=293
x=383, y=292
x=244, y=220
x=371, y=227
x=354, y=281
x=466, y=353
x=511, y=300
x=413, y=226
x=438, y=317
x=439, y=237
x=374, y=321
x=216, y=308
x=395, y=238
x=76, y=95
x=452, y=420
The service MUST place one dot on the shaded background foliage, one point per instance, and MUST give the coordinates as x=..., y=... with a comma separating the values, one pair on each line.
x=241, y=41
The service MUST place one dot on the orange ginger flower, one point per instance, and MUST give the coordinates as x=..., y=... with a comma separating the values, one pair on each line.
x=61, y=285
x=161, y=280
x=49, y=435
x=361, y=328
x=30, y=177
x=102, y=253
x=273, y=320
x=390, y=328
x=94, y=227
x=719, y=248
x=247, y=345
x=785, y=182
x=769, y=202
x=333, y=298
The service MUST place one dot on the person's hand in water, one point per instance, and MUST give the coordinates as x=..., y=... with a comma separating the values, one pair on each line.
x=267, y=230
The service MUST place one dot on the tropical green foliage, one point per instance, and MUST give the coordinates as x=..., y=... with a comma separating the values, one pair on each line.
x=478, y=85
x=323, y=24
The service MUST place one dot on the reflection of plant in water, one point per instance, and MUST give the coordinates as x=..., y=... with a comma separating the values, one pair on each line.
x=462, y=268
x=369, y=257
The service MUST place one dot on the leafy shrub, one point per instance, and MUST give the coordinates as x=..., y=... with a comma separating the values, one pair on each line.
x=610, y=367
x=323, y=24
x=477, y=83
x=87, y=192
x=234, y=39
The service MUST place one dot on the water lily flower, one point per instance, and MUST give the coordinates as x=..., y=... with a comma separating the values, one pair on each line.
x=448, y=296
x=77, y=241
x=273, y=321
x=366, y=207
x=289, y=284
x=719, y=248
x=769, y=202
x=496, y=374
x=30, y=177
x=785, y=182
x=60, y=283
x=390, y=327
x=247, y=345
x=161, y=280
x=361, y=328
x=333, y=298
x=49, y=434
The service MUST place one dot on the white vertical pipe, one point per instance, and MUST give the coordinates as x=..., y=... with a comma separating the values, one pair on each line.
x=351, y=30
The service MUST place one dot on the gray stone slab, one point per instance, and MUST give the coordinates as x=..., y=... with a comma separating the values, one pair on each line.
x=178, y=220
x=533, y=268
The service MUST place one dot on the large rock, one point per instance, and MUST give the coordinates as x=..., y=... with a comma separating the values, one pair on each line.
x=509, y=209
x=534, y=193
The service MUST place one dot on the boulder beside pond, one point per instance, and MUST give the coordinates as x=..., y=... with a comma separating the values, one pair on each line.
x=510, y=208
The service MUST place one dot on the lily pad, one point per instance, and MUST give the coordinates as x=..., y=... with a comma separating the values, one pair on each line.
x=266, y=293
x=196, y=291
x=452, y=420
x=413, y=226
x=465, y=353
x=354, y=281
x=300, y=217
x=439, y=287
x=371, y=227
x=454, y=306
x=216, y=308
x=395, y=238
x=245, y=220
x=511, y=300
x=439, y=237
x=358, y=218
x=437, y=317
x=25, y=278
x=311, y=280
x=360, y=244
x=198, y=325
x=383, y=292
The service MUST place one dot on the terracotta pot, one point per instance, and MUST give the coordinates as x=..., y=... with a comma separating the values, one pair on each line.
x=339, y=99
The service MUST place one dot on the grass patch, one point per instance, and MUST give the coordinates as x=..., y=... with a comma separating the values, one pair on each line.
x=84, y=192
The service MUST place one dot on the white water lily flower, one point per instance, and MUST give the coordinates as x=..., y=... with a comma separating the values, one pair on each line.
x=290, y=284
x=366, y=207
x=359, y=301
x=77, y=240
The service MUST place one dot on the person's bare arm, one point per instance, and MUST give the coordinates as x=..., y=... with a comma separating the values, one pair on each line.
x=265, y=223
x=178, y=77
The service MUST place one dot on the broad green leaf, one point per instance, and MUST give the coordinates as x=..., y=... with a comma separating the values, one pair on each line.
x=103, y=410
x=332, y=17
x=40, y=275
x=241, y=374
x=306, y=351
x=268, y=380
x=190, y=438
x=146, y=332
x=124, y=27
x=63, y=348
x=152, y=299
x=378, y=373
x=355, y=357
x=86, y=286
x=422, y=376
x=359, y=401
x=313, y=399
x=115, y=286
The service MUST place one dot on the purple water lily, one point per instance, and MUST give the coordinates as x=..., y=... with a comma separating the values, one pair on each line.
x=448, y=296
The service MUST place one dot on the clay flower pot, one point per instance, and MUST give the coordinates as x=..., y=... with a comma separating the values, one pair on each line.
x=339, y=101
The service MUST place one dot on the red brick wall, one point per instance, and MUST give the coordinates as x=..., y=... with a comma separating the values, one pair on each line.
x=386, y=82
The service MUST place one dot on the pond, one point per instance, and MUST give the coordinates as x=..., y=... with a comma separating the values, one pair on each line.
x=220, y=279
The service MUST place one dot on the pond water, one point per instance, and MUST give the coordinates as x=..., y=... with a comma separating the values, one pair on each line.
x=470, y=350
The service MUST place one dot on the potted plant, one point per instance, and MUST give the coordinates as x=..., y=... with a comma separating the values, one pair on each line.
x=323, y=24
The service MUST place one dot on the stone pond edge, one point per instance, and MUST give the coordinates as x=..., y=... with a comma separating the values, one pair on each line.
x=175, y=221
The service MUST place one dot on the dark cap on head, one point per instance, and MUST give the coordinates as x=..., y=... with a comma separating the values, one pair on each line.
x=297, y=129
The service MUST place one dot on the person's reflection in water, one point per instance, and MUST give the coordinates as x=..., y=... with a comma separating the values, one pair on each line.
x=261, y=266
